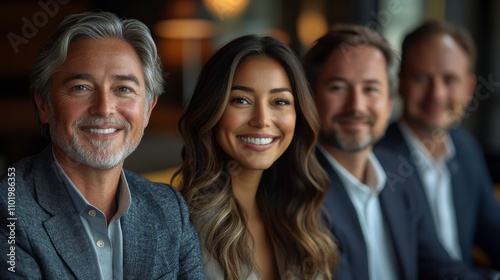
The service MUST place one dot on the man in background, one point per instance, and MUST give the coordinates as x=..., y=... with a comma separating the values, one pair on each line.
x=436, y=85
x=382, y=231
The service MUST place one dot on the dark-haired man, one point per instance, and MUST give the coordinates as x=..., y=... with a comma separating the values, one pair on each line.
x=382, y=230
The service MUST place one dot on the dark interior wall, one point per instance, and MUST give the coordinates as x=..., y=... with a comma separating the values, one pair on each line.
x=481, y=19
x=24, y=26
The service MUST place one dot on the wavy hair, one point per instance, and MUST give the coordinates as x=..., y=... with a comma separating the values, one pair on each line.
x=291, y=191
x=95, y=25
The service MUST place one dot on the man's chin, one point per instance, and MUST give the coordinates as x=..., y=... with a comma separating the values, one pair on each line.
x=351, y=145
x=98, y=158
x=442, y=121
x=434, y=129
x=103, y=162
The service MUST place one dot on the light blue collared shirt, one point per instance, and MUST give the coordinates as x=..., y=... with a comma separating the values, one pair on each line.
x=106, y=241
x=365, y=199
x=436, y=181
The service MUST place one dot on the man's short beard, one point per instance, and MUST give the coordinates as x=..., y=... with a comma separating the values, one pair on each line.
x=98, y=156
x=333, y=139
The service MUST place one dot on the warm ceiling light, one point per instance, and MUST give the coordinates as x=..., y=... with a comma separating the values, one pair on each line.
x=184, y=29
x=310, y=26
x=225, y=8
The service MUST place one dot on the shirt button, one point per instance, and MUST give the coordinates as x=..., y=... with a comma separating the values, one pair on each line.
x=91, y=213
x=100, y=243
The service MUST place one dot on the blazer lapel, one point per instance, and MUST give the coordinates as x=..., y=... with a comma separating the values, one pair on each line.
x=462, y=194
x=392, y=205
x=69, y=238
x=139, y=236
x=64, y=228
x=345, y=223
x=460, y=183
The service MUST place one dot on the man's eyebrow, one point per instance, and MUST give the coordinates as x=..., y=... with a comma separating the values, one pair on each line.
x=335, y=79
x=72, y=77
x=89, y=77
x=341, y=79
x=131, y=78
x=372, y=81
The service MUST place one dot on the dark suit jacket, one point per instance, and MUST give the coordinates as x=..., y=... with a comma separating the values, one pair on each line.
x=159, y=241
x=476, y=208
x=419, y=255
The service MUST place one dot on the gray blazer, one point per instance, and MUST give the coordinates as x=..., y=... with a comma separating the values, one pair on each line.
x=159, y=241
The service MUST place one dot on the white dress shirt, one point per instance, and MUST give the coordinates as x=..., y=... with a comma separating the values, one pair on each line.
x=436, y=180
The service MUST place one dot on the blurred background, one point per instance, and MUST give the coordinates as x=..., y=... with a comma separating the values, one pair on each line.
x=188, y=31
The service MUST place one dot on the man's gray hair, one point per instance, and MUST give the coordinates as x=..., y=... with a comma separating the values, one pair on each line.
x=95, y=25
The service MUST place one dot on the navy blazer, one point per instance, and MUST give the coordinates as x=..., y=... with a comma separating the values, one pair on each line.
x=476, y=207
x=159, y=241
x=418, y=253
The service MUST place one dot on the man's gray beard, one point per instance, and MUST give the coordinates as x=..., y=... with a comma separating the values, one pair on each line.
x=335, y=140
x=99, y=157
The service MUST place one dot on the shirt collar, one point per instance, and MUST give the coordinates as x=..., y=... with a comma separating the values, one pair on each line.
x=82, y=205
x=375, y=174
x=420, y=152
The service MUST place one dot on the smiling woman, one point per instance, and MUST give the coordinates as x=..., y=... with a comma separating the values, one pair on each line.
x=252, y=184
x=259, y=119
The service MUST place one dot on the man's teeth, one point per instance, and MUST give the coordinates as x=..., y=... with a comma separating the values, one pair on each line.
x=101, y=130
x=256, y=141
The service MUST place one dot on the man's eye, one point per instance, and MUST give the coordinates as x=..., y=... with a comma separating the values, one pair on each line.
x=125, y=89
x=336, y=88
x=450, y=80
x=79, y=88
x=371, y=89
x=420, y=79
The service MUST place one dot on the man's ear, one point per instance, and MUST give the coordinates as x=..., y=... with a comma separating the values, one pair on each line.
x=150, y=109
x=400, y=88
x=42, y=107
x=390, y=108
x=471, y=87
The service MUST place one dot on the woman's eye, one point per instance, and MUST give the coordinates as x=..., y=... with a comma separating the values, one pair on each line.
x=239, y=100
x=282, y=102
